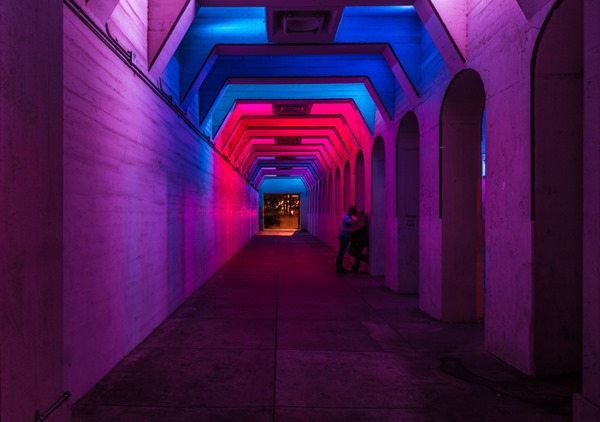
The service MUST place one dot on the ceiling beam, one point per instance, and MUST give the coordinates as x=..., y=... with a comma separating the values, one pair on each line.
x=440, y=34
x=168, y=22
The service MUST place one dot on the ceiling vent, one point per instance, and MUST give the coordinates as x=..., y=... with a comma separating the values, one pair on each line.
x=303, y=26
x=291, y=109
x=288, y=141
x=303, y=22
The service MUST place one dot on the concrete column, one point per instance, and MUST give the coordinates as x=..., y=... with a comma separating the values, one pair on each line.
x=378, y=192
x=407, y=197
x=557, y=193
x=586, y=406
x=31, y=244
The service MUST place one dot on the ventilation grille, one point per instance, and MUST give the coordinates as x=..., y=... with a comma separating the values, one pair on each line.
x=291, y=109
x=288, y=141
x=303, y=26
x=303, y=22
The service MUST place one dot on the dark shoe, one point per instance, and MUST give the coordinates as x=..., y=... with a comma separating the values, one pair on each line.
x=354, y=271
x=342, y=271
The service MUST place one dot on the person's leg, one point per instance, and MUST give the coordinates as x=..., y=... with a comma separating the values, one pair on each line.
x=356, y=263
x=339, y=264
x=357, y=258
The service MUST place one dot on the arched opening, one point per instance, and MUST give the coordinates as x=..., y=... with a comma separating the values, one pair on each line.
x=359, y=175
x=460, y=198
x=322, y=210
x=337, y=197
x=320, y=205
x=378, y=230
x=407, y=204
x=557, y=190
x=347, y=187
x=315, y=217
x=329, y=193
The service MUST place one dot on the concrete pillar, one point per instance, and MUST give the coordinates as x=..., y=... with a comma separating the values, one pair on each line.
x=557, y=193
x=407, y=188
x=586, y=406
x=378, y=220
x=31, y=147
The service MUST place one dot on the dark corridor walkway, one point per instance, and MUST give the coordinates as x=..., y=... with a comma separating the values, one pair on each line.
x=277, y=335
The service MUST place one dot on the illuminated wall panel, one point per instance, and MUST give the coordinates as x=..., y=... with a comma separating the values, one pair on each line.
x=153, y=211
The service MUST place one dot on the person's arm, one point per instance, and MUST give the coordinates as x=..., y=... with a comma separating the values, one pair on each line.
x=357, y=225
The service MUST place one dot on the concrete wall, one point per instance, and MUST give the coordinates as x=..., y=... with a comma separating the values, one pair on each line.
x=145, y=200
x=557, y=134
x=587, y=405
x=503, y=62
x=403, y=275
x=150, y=210
x=499, y=45
x=31, y=282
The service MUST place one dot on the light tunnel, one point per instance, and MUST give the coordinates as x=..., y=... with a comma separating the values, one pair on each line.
x=147, y=137
x=303, y=139
x=300, y=104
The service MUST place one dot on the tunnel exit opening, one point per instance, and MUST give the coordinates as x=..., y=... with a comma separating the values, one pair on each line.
x=281, y=211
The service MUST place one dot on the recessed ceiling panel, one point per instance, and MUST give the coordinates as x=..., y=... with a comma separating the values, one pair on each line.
x=288, y=25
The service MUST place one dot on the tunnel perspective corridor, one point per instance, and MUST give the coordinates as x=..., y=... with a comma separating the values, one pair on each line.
x=146, y=274
x=275, y=335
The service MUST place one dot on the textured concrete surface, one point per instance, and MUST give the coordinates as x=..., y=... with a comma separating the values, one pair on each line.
x=275, y=334
x=145, y=224
x=31, y=209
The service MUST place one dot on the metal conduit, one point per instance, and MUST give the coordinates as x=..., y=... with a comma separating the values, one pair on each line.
x=42, y=417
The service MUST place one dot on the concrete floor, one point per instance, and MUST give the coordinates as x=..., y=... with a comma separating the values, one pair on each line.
x=285, y=222
x=276, y=335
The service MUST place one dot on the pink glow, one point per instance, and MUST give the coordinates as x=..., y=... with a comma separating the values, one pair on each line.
x=330, y=132
x=118, y=207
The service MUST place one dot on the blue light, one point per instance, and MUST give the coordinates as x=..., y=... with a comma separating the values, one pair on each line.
x=283, y=185
x=231, y=93
x=241, y=22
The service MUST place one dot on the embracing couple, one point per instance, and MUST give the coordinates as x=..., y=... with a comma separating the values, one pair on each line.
x=354, y=238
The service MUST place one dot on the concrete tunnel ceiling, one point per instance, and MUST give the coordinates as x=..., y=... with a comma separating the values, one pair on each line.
x=294, y=91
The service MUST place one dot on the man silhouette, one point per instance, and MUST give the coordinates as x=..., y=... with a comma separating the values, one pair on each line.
x=344, y=238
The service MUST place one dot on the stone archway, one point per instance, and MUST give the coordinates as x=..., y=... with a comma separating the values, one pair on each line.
x=347, y=190
x=338, y=194
x=359, y=181
x=557, y=191
x=460, y=198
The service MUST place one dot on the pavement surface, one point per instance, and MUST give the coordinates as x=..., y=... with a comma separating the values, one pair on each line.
x=277, y=335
